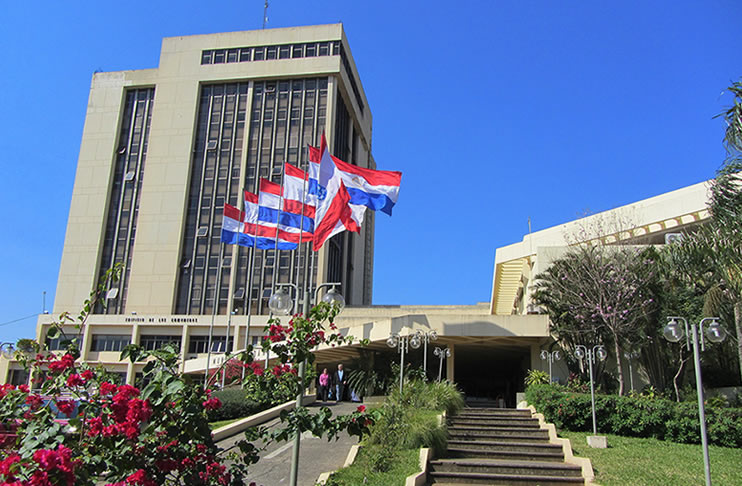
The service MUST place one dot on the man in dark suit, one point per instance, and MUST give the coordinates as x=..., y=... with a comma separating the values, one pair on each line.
x=340, y=379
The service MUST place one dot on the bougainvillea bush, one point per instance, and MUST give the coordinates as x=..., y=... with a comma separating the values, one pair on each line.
x=76, y=426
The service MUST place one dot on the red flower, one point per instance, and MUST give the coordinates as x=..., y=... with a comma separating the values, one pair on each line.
x=87, y=374
x=140, y=477
x=23, y=388
x=95, y=426
x=34, y=401
x=75, y=380
x=66, y=407
x=64, y=362
x=361, y=408
x=107, y=388
x=212, y=404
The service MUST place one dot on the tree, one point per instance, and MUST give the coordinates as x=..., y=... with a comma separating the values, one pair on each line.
x=600, y=293
x=717, y=246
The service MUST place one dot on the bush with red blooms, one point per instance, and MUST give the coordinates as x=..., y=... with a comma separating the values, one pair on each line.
x=78, y=427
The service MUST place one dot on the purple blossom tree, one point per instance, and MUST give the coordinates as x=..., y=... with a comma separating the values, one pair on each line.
x=599, y=292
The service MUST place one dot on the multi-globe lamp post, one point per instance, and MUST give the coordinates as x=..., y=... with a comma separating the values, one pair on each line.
x=403, y=345
x=550, y=357
x=583, y=352
x=674, y=332
x=442, y=353
x=426, y=337
x=281, y=303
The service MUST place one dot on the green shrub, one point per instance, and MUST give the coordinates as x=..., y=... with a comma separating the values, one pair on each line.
x=409, y=420
x=235, y=404
x=537, y=377
x=637, y=416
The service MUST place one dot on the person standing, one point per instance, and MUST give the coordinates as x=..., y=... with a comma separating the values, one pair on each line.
x=340, y=378
x=324, y=384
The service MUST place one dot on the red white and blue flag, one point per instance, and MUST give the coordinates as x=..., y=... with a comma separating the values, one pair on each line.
x=334, y=182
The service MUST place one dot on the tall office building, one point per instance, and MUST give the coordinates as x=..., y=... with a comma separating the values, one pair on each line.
x=163, y=149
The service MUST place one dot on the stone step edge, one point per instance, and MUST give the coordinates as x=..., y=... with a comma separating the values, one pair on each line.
x=506, y=477
x=503, y=462
x=557, y=455
x=495, y=428
x=583, y=462
x=506, y=463
x=495, y=443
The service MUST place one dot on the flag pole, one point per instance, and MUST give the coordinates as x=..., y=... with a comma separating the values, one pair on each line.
x=248, y=291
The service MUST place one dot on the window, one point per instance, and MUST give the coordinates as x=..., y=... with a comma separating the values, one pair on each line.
x=219, y=56
x=200, y=344
x=324, y=48
x=109, y=342
x=152, y=342
x=60, y=342
x=18, y=377
x=271, y=52
x=232, y=55
x=297, y=50
x=206, y=57
x=311, y=50
x=245, y=54
x=283, y=52
x=259, y=54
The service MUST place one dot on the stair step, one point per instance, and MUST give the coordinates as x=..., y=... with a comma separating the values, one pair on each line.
x=510, y=479
x=496, y=437
x=498, y=411
x=473, y=430
x=502, y=445
x=498, y=421
x=494, y=466
x=551, y=456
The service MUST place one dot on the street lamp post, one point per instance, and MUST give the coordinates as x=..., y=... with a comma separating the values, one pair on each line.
x=550, y=357
x=716, y=334
x=629, y=357
x=443, y=354
x=403, y=345
x=281, y=303
x=426, y=337
x=582, y=352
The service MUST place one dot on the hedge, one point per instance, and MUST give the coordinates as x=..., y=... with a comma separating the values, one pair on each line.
x=636, y=416
x=235, y=404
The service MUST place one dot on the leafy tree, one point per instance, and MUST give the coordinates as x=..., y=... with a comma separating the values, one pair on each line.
x=716, y=249
x=597, y=294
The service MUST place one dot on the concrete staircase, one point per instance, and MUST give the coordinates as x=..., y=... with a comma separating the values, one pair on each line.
x=500, y=446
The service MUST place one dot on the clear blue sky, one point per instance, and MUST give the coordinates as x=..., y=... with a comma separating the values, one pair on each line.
x=494, y=111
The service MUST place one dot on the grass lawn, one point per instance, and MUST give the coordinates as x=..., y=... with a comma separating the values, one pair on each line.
x=221, y=423
x=635, y=461
x=405, y=463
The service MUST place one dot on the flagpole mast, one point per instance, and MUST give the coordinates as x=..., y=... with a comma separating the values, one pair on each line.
x=248, y=292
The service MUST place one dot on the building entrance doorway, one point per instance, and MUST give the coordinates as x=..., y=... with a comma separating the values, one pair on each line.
x=491, y=373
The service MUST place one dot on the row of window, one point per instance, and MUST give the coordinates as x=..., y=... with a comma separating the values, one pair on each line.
x=117, y=342
x=268, y=53
x=284, y=51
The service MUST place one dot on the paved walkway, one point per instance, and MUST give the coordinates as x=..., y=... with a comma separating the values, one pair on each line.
x=315, y=455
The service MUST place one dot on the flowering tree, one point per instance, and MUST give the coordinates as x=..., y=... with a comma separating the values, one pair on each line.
x=157, y=435
x=597, y=293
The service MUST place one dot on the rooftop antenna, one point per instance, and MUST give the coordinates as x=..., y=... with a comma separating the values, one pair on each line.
x=43, y=302
x=265, y=14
